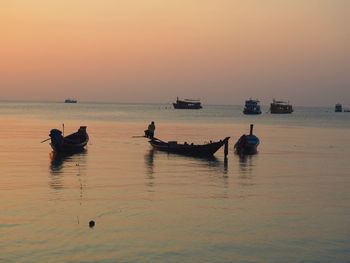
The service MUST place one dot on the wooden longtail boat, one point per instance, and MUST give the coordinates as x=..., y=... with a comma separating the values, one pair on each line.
x=200, y=150
x=247, y=144
x=74, y=142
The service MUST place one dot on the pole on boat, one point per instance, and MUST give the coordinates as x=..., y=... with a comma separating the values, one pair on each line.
x=63, y=129
x=251, y=129
x=226, y=149
x=45, y=140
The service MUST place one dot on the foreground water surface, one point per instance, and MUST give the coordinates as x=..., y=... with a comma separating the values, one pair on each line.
x=288, y=203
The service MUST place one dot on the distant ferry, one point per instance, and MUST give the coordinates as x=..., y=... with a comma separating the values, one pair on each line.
x=70, y=101
x=187, y=104
x=280, y=107
x=338, y=107
x=252, y=107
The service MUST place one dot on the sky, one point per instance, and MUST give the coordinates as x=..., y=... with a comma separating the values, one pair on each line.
x=220, y=51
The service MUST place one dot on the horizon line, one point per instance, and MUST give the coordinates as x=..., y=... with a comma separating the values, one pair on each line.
x=145, y=103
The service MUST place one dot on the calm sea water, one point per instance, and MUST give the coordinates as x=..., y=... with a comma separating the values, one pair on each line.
x=288, y=203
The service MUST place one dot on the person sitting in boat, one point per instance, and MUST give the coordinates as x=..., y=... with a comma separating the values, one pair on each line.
x=149, y=133
x=241, y=143
x=243, y=140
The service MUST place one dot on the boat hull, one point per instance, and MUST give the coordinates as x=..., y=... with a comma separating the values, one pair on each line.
x=70, y=101
x=281, y=112
x=204, y=150
x=187, y=106
x=278, y=109
x=66, y=147
x=251, y=112
x=248, y=149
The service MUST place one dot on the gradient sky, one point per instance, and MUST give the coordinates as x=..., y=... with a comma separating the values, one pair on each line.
x=221, y=51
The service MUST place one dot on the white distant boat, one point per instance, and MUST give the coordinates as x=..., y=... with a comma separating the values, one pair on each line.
x=70, y=101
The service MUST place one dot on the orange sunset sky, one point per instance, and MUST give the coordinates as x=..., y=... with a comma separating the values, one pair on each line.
x=222, y=51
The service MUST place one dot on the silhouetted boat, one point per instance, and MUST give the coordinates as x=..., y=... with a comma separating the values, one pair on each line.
x=187, y=104
x=70, y=101
x=247, y=144
x=252, y=107
x=74, y=142
x=200, y=150
x=338, y=107
x=280, y=107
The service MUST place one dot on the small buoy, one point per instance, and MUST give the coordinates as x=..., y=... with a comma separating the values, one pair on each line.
x=91, y=223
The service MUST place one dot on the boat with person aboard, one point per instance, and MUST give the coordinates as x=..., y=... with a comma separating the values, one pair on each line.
x=280, y=107
x=74, y=142
x=197, y=150
x=252, y=107
x=187, y=104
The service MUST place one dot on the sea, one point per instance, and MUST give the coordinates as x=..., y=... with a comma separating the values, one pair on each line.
x=288, y=203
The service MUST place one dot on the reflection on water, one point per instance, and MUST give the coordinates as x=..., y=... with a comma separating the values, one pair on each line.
x=149, y=159
x=246, y=164
x=66, y=164
x=211, y=162
x=195, y=212
x=246, y=168
x=158, y=160
x=225, y=167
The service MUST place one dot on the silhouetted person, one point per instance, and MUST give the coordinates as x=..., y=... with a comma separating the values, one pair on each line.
x=149, y=133
x=243, y=141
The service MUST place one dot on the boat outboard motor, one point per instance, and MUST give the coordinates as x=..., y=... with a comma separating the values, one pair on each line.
x=56, y=138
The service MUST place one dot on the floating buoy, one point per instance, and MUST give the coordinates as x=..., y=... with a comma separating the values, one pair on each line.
x=91, y=223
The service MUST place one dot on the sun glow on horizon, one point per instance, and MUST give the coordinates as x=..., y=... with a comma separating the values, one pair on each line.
x=121, y=49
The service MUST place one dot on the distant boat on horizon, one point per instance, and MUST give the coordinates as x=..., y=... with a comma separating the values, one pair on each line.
x=280, y=107
x=187, y=104
x=338, y=107
x=70, y=101
x=252, y=107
